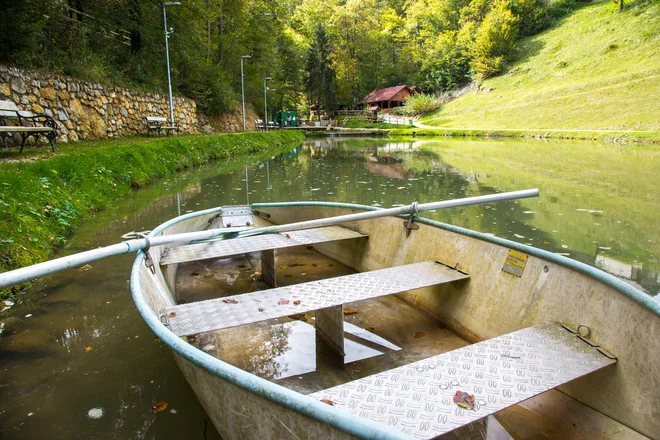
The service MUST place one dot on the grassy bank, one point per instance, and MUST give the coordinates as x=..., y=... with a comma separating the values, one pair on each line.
x=598, y=69
x=42, y=200
x=585, y=135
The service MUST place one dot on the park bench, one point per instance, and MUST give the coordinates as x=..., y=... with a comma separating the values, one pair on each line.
x=155, y=123
x=29, y=124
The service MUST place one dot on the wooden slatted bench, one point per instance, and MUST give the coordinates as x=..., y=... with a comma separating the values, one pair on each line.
x=156, y=123
x=417, y=399
x=326, y=297
x=29, y=124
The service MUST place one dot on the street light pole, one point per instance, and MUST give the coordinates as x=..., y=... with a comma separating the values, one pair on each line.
x=265, y=107
x=243, y=87
x=167, y=53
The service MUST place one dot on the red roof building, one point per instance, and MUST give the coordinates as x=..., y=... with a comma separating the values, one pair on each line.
x=390, y=97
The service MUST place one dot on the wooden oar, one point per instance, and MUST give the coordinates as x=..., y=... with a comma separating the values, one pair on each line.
x=46, y=268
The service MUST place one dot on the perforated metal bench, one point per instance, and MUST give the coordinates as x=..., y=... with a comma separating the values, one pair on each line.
x=326, y=297
x=417, y=399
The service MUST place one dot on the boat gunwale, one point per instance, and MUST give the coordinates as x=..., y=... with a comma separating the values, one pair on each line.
x=301, y=403
x=621, y=286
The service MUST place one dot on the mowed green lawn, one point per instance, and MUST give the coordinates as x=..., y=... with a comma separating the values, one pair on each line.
x=597, y=69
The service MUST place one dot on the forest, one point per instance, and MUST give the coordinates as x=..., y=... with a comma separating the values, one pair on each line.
x=325, y=53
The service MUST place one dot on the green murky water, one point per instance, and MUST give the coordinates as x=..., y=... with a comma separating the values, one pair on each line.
x=598, y=204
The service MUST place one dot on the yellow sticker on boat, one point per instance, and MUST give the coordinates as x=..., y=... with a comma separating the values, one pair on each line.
x=515, y=263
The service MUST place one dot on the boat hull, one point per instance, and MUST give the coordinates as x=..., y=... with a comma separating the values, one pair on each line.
x=492, y=303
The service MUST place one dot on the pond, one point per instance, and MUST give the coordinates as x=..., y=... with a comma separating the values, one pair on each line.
x=77, y=360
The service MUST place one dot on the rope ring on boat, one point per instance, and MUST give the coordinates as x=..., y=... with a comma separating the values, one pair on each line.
x=586, y=335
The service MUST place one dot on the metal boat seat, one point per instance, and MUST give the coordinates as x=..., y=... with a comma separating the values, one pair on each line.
x=417, y=399
x=326, y=297
x=257, y=243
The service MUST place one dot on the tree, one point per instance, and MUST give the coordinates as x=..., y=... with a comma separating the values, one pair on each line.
x=320, y=80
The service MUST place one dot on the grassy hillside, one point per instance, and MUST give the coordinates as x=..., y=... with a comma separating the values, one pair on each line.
x=597, y=69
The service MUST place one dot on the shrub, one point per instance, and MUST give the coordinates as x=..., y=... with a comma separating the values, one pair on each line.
x=421, y=103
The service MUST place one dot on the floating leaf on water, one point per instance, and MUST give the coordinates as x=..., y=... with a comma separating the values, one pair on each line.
x=288, y=275
x=283, y=302
x=95, y=413
x=464, y=400
x=349, y=311
x=330, y=265
x=370, y=329
x=314, y=264
x=418, y=335
x=157, y=339
x=85, y=268
x=328, y=401
x=310, y=248
x=296, y=302
x=159, y=406
x=194, y=274
x=229, y=301
x=6, y=305
x=298, y=316
x=89, y=348
x=192, y=339
x=171, y=315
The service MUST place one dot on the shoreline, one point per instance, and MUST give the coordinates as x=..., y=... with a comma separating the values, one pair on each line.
x=45, y=196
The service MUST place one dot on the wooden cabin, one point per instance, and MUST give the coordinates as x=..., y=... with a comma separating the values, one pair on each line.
x=389, y=97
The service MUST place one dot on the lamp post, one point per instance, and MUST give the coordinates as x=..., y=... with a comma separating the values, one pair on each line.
x=265, y=107
x=167, y=53
x=243, y=87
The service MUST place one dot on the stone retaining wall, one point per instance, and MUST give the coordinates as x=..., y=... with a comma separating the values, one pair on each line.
x=90, y=111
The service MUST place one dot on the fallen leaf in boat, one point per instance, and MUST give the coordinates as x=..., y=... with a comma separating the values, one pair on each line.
x=418, y=335
x=297, y=265
x=283, y=302
x=349, y=311
x=261, y=310
x=298, y=316
x=330, y=265
x=464, y=400
x=314, y=264
x=369, y=329
x=287, y=236
x=85, y=268
x=159, y=406
x=230, y=301
x=171, y=314
x=157, y=339
x=194, y=274
x=296, y=302
x=192, y=339
x=328, y=401
x=310, y=248
x=89, y=348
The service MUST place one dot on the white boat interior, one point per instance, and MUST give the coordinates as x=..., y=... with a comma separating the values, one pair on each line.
x=391, y=322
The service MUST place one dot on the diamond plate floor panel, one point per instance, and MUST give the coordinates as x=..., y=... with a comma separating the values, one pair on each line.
x=256, y=243
x=417, y=399
x=216, y=314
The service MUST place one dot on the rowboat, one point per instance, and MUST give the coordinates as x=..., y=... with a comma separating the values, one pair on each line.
x=307, y=319
x=395, y=327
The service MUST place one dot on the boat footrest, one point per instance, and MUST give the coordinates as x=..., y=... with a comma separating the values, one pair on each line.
x=256, y=243
x=248, y=308
x=417, y=399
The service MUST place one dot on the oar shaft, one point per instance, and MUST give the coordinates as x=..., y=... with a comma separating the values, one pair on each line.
x=49, y=267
